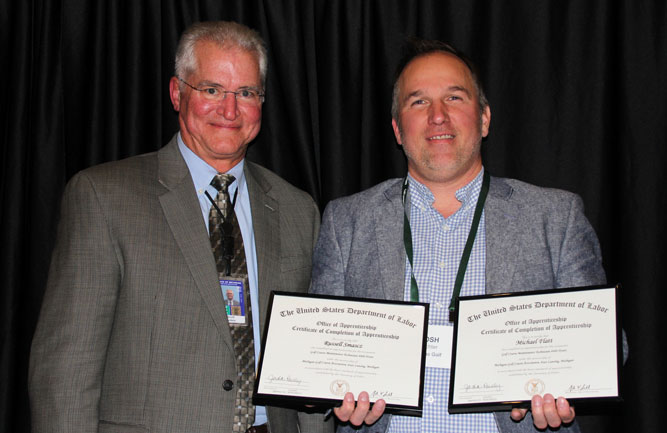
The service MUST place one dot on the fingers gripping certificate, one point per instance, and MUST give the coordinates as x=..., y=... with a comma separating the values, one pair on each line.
x=508, y=348
x=317, y=348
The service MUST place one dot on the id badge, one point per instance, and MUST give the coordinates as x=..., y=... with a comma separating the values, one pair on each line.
x=439, y=346
x=234, y=294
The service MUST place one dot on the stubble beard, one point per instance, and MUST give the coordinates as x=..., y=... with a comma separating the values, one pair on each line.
x=437, y=171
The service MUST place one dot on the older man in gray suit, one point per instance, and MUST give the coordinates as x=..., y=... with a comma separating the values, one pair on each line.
x=133, y=334
x=527, y=237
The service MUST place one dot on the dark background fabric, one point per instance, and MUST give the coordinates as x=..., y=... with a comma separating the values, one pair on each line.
x=577, y=93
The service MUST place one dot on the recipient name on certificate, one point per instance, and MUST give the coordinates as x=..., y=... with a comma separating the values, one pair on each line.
x=316, y=348
x=508, y=348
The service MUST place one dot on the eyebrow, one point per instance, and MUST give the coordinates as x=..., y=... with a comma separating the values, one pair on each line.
x=460, y=89
x=212, y=84
x=208, y=83
x=412, y=94
x=420, y=92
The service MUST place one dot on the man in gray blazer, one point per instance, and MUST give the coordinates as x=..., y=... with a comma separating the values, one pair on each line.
x=528, y=238
x=133, y=334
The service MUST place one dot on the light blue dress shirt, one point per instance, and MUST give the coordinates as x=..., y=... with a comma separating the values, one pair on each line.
x=438, y=245
x=202, y=174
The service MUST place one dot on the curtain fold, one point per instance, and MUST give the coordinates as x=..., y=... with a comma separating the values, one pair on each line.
x=577, y=93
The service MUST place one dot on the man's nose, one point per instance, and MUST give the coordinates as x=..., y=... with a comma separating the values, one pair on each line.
x=438, y=113
x=228, y=107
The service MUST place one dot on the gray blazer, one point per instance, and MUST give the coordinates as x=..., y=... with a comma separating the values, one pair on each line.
x=132, y=335
x=536, y=238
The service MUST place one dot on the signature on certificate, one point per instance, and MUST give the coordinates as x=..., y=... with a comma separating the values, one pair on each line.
x=482, y=387
x=574, y=388
x=287, y=379
x=375, y=394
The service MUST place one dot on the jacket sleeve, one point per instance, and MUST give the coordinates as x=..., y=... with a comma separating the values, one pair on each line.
x=328, y=275
x=70, y=343
x=580, y=259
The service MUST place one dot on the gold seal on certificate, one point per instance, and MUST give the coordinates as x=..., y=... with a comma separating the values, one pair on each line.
x=510, y=347
x=316, y=348
x=339, y=387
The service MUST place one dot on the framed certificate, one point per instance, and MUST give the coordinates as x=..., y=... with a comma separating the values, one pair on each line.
x=316, y=348
x=509, y=347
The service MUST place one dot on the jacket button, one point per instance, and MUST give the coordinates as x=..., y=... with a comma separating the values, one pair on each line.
x=227, y=385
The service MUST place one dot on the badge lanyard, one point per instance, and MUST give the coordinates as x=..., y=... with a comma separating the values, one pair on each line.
x=226, y=225
x=236, y=315
x=463, y=264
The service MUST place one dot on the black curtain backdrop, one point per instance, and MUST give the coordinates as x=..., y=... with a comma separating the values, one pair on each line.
x=577, y=92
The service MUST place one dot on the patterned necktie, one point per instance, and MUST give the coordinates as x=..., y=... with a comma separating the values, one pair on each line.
x=225, y=238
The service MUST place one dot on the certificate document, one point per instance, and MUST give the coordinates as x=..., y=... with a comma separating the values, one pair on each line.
x=510, y=347
x=316, y=348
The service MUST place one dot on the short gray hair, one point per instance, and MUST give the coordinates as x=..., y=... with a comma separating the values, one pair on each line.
x=224, y=34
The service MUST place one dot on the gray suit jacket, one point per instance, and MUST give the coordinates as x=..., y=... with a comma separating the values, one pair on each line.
x=133, y=334
x=536, y=238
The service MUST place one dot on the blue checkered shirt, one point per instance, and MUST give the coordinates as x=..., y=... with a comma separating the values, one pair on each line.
x=438, y=244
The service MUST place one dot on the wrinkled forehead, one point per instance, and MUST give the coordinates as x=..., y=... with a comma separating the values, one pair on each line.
x=443, y=68
x=208, y=54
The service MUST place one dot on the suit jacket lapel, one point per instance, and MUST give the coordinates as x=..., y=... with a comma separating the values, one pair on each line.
x=266, y=225
x=502, y=221
x=182, y=211
x=502, y=233
x=390, y=248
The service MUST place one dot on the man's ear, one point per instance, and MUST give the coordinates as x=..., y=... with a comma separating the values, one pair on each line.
x=175, y=93
x=397, y=131
x=486, y=120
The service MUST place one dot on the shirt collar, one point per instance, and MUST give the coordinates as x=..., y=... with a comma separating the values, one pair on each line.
x=202, y=173
x=421, y=196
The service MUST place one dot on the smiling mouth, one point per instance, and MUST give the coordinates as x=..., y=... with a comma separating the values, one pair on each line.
x=442, y=137
x=226, y=126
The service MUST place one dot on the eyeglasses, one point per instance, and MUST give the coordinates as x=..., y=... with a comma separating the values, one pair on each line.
x=248, y=96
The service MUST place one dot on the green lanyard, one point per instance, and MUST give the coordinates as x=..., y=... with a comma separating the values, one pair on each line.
x=463, y=264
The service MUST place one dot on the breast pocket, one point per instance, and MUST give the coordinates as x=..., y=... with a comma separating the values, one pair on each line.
x=109, y=427
x=295, y=272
